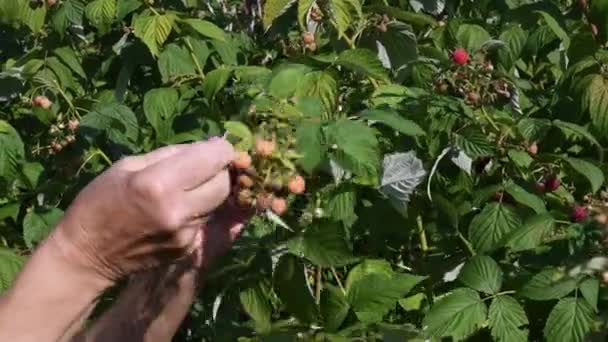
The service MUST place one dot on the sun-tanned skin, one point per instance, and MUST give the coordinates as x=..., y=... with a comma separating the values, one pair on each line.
x=153, y=217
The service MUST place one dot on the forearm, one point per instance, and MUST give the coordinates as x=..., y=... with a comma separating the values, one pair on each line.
x=50, y=294
x=150, y=309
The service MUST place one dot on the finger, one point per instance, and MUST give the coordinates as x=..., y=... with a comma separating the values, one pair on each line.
x=193, y=165
x=139, y=162
x=199, y=202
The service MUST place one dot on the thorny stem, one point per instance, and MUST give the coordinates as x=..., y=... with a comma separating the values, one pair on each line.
x=318, y=285
x=333, y=271
x=422, y=235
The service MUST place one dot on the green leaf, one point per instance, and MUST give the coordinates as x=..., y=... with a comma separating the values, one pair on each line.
x=153, y=30
x=125, y=7
x=595, y=100
x=393, y=120
x=368, y=266
x=548, y=284
x=101, y=13
x=483, y=274
x=590, y=290
x=362, y=61
x=256, y=304
x=12, y=150
x=38, y=223
x=556, y=28
x=412, y=303
x=215, y=81
x=116, y=121
x=489, y=228
x=175, y=61
x=239, y=131
x=507, y=318
x=206, y=28
x=68, y=56
x=64, y=74
x=324, y=244
x=474, y=143
x=303, y=8
x=598, y=15
x=286, y=80
x=32, y=18
x=334, y=307
x=290, y=286
x=471, y=37
x=160, y=106
x=573, y=130
x=344, y=13
x=593, y=173
x=459, y=314
x=374, y=295
x=520, y=158
x=514, y=38
x=358, y=145
x=309, y=140
x=322, y=85
x=570, y=321
x=341, y=204
x=531, y=234
x=10, y=265
x=522, y=196
x=273, y=9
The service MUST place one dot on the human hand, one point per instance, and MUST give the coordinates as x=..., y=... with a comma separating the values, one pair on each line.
x=146, y=210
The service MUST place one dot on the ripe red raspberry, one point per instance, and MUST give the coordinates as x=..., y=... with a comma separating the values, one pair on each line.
x=279, y=206
x=264, y=147
x=552, y=183
x=460, y=56
x=296, y=185
x=242, y=161
x=579, y=213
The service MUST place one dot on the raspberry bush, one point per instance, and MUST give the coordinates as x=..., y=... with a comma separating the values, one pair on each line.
x=419, y=170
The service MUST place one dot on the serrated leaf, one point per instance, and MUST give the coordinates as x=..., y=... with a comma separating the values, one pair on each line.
x=531, y=234
x=215, y=81
x=114, y=120
x=153, y=30
x=375, y=294
x=489, y=228
x=38, y=223
x=474, y=144
x=10, y=265
x=334, y=307
x=68, y=56
x=273, y=9
x=556, y=28
x=238, y=130
x=101, y=13
x=63, y=73
x=570, y=321
x=33, y=18
x=286, y=80
x=256, y=304
x=324, y=244
x=573, y=130
x=322, y=85
x=175, y=61
x=459, y=314
x=368, y=266
x=362, y=61
x=593, y=173
x=341, y=204
x=522, y=196
x=343, y=13
x=12, y=150
x=507, y=319
x=461, y=159
x=533, y=129
x=206, y=28
x=595, y=100
x=514, y=38
x=309, y=140
x=482, y=273
x=548, y=284
x=160, y=106
x=393, y=120
x=357, y=146
x=520, y=158
x=290, y=285
x=472, y=36
x=412, y=303
x=590, y=290
x=402, y=173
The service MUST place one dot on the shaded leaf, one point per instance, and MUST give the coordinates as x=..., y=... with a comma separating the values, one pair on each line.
x=459, y=314
x=569, y=321
x=530, y=235
x=489, y=228
x=290, y=286
x=483, y=274
x=507, y=318
x=548, y=284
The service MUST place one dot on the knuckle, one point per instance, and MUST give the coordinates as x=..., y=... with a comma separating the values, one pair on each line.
x=143, y=187
x=183, y=239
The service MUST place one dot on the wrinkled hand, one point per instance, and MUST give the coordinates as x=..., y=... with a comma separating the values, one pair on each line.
x=147, y=210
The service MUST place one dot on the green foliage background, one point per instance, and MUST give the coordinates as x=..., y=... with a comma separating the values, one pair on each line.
x=406, y=232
